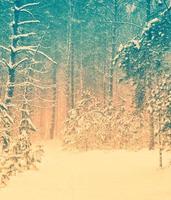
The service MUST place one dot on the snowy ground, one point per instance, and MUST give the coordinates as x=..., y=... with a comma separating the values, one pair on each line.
x=93, y=175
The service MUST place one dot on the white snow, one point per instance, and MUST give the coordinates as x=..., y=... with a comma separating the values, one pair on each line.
x=23, y=48
x=4, y=48
x=28, y=22
x=136, y=43
x=27, y=11
x=154, y=21
x=130, y=8
x=19, y=36
x=20, y=62
x=93, y=175
x=31, y=49
x=26, y=6
x=150, y=24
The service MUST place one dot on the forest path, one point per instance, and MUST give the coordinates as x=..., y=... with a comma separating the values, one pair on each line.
x=92, y=175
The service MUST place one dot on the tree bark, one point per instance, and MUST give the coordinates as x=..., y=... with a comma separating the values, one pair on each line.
x=11, y=85
x=53, y=117
x=70, y=67
x=81, y=61
x=72, y=76
x=111, y=68
x=151, y=143
x=11, y=69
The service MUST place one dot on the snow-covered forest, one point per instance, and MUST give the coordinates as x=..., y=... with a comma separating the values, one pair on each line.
x=85, y=82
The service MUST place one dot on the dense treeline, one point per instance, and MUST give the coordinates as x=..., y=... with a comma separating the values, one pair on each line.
x=95, y=73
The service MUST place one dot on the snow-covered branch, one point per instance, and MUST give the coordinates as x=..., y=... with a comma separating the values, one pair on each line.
x=3, y=63
x=26, y=6
x=28, y=22
x=151, y=35
x=42, y=87
x=32, y=49
x=20, y=62
x=23, y=48
x=5, y=48
x=6, y=63
x=39, y=71
x=23, y=35
x=29, y=123
x=27, y=11
x=35, y=85
x=45, y=55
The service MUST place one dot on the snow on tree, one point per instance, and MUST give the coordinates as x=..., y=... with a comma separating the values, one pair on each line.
x=146, y=52
x=159, y=105
x=92, y=125
x=143, y=59
x=19, y=57
x=7, y=121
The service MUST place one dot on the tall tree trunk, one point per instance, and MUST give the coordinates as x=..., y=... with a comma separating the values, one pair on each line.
x=160, y=152
x=114, y=36
x=104, y=84
x=13, y=54
x=53, y=117
x=105, y=69
x=72, y=76
x=151, y=123
x=151, y=143
x=10, y=85
x=81, y=61
x=160, y=143
x=70, y=69
x=11, y=75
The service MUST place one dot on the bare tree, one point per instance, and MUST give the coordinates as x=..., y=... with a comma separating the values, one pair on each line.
x=20, y=56
x=71, y=68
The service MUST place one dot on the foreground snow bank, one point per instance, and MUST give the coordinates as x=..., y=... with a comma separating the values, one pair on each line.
x=94, y=175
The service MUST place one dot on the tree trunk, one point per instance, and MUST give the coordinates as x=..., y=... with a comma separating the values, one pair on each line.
x=105, y=69
x=104, y=84
x=72, y=76
x=160, y=152
x=151, y=124
x=53, y=118
x=114, y=36
x=11, y=69
x=10, y=86
x=81, y=61
x=151, y=144
x=70, y=67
